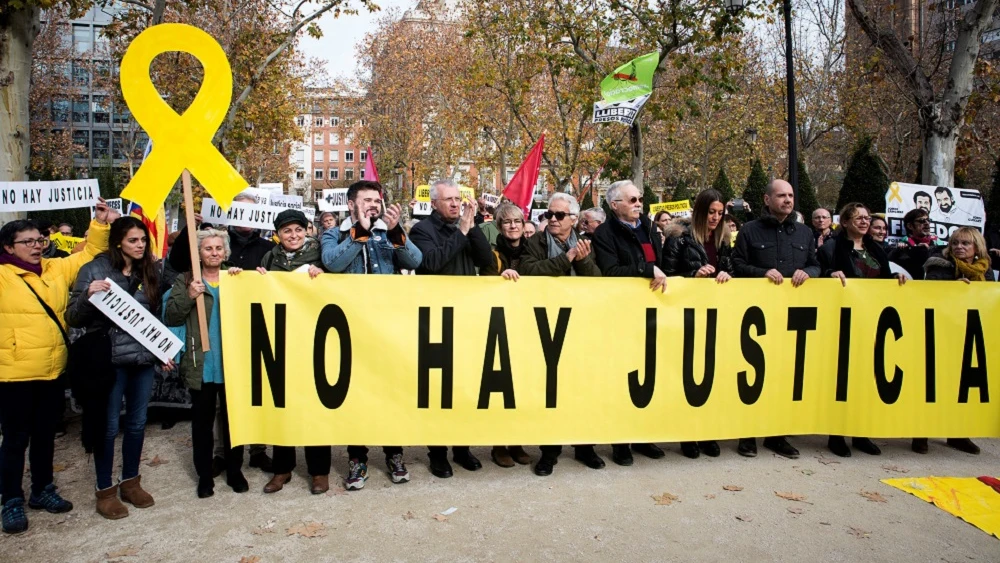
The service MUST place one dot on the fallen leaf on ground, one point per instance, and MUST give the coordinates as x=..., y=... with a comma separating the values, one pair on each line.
x=157, y=460
x=409, y=515
x=826, y=461
x=858, y=532
x=250, y=559
x=744, y=518
x=895, y=469
x=791, y=496
x=58, y=467
x=310, y=530
x=127, y=551
x=733, y=488
x=334, y=491
x=709, y=497
x=807, y=472
x=440, y=517
x=872, y=496
x=666, y=499
x=795, y=510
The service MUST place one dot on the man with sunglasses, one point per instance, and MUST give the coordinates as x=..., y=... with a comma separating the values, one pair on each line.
x=919, y=243
x=628, y=246
x=452, y=245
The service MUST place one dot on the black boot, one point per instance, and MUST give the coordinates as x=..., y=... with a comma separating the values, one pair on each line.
x=652, y=451
x=545, y=465
x=780, y=446
x=710, y=448
x=838, y=445
x=621, y=454
x=440, y=467
x=587, y=456
x=866, y=445
x=690, y=450
x=964, y=445
x=206, y=487
x=465, y=458
x=747, y=447
x=919, y=445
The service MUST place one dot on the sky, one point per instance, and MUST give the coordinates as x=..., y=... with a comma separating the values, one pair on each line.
x=341, y=35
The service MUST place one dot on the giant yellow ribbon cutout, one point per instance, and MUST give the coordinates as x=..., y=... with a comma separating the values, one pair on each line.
x=894, y=193
x=179, y=141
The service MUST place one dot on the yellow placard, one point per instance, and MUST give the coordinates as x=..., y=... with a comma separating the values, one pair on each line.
x=179, y=141
x=480, y=361
x=64, y=242
x=670, y=206
x=423, y=193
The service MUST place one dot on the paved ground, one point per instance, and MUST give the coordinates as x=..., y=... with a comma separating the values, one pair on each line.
x=510, y=514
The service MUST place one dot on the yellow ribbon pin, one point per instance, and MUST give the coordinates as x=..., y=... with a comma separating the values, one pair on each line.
x=894, y=193
x=179, y=141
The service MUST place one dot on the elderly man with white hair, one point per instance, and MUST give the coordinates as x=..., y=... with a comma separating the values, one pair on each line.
x=628, y=246
x=590, y=219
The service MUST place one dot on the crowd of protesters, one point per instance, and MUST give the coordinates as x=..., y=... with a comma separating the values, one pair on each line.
x=45, y=292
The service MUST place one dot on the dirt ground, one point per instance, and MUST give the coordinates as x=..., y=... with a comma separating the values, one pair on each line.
x=576, y=514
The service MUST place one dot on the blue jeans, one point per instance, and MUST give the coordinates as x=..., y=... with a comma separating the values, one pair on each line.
x=134, y=384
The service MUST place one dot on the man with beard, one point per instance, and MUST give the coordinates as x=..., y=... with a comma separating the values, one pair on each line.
x=922, y=200
x=947, y=211
x=919, y=244
x=452, y=245
x=775, y=247
x=370, y=243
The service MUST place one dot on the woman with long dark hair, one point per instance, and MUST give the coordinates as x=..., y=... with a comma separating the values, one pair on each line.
x=854, y=253
x=700, y=247
x=128, y=372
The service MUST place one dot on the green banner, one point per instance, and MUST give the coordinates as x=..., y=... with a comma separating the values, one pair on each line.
x=631, y=80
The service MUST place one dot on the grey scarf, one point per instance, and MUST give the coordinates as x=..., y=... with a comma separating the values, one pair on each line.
x=556, y=248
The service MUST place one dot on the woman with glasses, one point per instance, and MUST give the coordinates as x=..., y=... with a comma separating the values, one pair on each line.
x=700, y=247
x=508, y=251
x=34, y=295
x=121, y=368
x=964, y=259
x=853, y=253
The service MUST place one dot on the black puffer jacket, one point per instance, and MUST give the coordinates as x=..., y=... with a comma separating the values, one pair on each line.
x=125, y=350
x=619, y=253
x=764, y=244
x=447, y=252
x=684, y=256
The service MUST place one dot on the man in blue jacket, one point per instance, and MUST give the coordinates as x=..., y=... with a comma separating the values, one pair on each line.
x=370, y=243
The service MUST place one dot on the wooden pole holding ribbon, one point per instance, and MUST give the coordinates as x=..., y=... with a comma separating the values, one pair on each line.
x=195, y=256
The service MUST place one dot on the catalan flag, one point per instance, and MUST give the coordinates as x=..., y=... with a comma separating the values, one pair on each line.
x=157, y=225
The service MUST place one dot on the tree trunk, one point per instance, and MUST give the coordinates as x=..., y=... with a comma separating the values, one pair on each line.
x=635, y=140
x=17, y=35
x=939, y=158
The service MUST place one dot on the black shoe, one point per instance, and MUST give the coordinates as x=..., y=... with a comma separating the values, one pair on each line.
x=690, y=450
x=238, y=482
x=649, y=450
x=919, y=445
x=218, y=466
x=780, y=446
x=964, y=445
x=838, y=445
x=710, y=448
x=467, y=461
x=621, y=455
x=440, y=467
x=866, y=445
x=168, y=424
x=747, y=447
x=206, y=488
x=589, y=457
x=262, y=461
x=544, y=466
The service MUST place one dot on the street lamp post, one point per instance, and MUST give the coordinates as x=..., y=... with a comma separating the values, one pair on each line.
x=399, y=168
x=413, y=177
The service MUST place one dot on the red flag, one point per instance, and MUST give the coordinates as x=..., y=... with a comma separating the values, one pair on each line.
x=371, y=173
x=522, y=186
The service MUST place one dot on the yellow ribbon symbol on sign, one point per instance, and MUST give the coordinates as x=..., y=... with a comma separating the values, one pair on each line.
x=894, y=193
x=179, y=141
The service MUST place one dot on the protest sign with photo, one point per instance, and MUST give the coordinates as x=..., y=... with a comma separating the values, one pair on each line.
x=133, y=318
x=45, y=196
x=240, y=214
x=947, y=208
x=333, y=200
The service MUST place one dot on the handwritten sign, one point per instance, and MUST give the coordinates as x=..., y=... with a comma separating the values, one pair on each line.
x=492, y=200
x=44, y=196
x=240, y=214
x=139, y=323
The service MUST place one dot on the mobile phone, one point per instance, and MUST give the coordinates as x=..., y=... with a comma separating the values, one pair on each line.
x=738, y=204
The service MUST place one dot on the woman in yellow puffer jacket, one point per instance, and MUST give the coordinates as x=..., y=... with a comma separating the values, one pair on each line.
x=32, y=355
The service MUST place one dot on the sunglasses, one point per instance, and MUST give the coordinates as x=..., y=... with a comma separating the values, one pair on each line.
x=632, y=200
x=558, y=215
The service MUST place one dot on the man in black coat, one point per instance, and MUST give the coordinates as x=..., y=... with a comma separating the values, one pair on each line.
x=452, y=245
x=775, y=247
x=919, y=244
x=628, y=246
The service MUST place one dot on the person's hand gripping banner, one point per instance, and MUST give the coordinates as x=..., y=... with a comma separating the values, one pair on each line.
x=179, y=141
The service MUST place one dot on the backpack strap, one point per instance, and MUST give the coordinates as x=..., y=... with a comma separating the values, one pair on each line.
x=49, y=311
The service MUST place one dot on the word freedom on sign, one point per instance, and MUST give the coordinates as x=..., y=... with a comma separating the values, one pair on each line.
x=41, y=196
x=483, y=361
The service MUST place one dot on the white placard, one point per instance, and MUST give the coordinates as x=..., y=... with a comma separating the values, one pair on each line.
x=536, y=214
x=948, y=209
x=286, y=201
x=333, y=200
x=491, y=200
x=114, y=204
x=310, y=213
x=276, y=188
x=263, y=196
x=134, y=319
x=422, y=208
x=44, y=196
x=240, y=214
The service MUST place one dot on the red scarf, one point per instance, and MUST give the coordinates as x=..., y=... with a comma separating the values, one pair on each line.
x=15, y=261
x=929, y=240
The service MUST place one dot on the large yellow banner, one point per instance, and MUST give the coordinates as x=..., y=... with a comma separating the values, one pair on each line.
x=412, y=360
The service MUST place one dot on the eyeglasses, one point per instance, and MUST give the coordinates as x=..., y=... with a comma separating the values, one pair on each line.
x=632, y=200
x=511, y=222
x=42, y=242
x=862, y=219
x=923, y=221
x=558, y=215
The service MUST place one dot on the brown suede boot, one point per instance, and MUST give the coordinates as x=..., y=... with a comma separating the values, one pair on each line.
x=501, y=457
x=132, y=493
x=108, y=504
